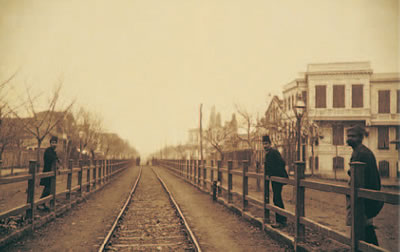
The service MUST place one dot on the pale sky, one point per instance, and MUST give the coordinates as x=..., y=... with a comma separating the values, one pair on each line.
x=146, y=65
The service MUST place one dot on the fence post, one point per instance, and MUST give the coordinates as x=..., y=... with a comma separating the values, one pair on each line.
x=53, y=183
x=30, y=213
x=204, y=174
x=108, y=169
x=199, y=164
x=266, y=197
x=189, y=174
x=69, y=180
x=187, y=168
x=191, y=169
x=102, y=171
x=299, y=207
x=105, y=171
x=99, y=162
x=211, y=174
x=245, y=184
x=183, y=161
x=357, y=204
x=195, y=171
x=258, y=178
x=94, y=174
x=80, y=174
x=230, y=164
x=219, y=176
x=88, y=162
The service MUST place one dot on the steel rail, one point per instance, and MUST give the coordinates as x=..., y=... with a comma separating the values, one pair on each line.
x=107, y=239
x=191, y=234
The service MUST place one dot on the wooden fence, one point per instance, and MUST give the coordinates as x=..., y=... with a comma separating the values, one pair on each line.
x=204, y=176
x=91, y=176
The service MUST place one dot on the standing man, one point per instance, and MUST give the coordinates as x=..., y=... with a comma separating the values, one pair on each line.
x=274, y=165
x=49, y=157
x=372, y=179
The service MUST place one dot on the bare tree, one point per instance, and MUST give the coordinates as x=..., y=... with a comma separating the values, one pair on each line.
x=107, y=141
x=40, y=124
x=216, y=136
x=249, y=125
x=69, y=130
x=90, y=126
x=8, y=127
x=9, y=131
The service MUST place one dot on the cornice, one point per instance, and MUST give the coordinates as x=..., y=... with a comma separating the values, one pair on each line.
x=345, y=72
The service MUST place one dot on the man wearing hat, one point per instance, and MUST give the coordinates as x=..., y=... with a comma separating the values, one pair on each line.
x=274, y=165
x=372, y=179
x=49, y=157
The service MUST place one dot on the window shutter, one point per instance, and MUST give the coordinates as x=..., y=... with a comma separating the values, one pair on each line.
x=384, y=168
x=338, y=96
x=338, y=163
x=357, y=97
x=383, y=138
x=338, y=134
x=384, y=101
x=320, y=96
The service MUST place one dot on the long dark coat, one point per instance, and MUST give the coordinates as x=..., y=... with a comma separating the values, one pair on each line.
x=274, y=164
x=371, y=177
x=49, y=157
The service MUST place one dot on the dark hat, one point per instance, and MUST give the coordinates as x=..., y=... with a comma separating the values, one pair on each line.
x=358, y=130
x=53, y=139
x=266, y=139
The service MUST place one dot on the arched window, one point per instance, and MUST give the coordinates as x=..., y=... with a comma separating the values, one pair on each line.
x=384, y=168
x=338, y=163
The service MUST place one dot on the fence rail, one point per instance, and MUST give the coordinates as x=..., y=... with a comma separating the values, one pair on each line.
x=98, y=173
x=205, y=176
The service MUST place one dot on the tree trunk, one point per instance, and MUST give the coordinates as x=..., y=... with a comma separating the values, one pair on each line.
x=93, y=155
x=39, y=143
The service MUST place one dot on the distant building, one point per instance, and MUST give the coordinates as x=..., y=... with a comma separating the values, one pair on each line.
x=338, y=96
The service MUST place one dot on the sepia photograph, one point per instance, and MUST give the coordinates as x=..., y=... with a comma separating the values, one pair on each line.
x=187, y=125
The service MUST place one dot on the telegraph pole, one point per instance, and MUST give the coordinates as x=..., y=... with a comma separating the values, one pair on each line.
x=201, y=134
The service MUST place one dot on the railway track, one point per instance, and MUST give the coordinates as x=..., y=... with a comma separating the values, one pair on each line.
x=150, y=220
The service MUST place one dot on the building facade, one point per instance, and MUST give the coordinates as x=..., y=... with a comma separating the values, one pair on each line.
x=339, y=96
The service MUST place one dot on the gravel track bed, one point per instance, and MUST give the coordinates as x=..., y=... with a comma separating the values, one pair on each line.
x=150, y=222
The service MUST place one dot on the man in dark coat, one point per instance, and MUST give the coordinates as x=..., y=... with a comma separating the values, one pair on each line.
x=49, y=157
x=372, y=180
x=274, y=165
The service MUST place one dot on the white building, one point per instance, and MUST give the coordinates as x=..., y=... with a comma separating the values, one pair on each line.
x=338, y=96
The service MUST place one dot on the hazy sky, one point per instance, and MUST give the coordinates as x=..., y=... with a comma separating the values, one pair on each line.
x=146, y=65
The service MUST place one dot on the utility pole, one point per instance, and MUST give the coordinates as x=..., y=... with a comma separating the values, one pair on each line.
x=201, y=134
